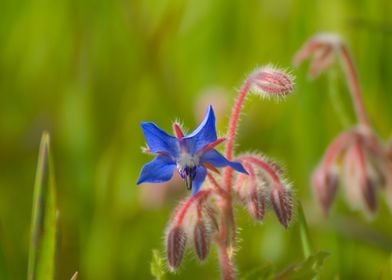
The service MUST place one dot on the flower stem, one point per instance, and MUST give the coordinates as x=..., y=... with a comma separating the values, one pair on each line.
x=354, y=87
x=224, y=240
x=232, y=131
x=226, y=265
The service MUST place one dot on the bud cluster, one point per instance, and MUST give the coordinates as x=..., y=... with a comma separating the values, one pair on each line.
x=195, y=221
x=264, y=188
x=358, y=160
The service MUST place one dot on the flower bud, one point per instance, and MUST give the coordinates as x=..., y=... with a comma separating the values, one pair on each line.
x=281, y=200
x=175, y=246
x=325, y=185
x=270, y=82
x=256, y=204
x=368, y=188
x=321, y=49
x=212, y=217
x=202, y=240
x=351, y=170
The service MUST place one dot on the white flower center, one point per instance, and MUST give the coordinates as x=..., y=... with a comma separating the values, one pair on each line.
x=187, y=160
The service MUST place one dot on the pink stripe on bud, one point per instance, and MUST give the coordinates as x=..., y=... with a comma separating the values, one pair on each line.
x=281, y=200
x=368, y=188
x=270, y=82
x=202, y=240
x=175, y=246
x=325, y=185
x=256, y=205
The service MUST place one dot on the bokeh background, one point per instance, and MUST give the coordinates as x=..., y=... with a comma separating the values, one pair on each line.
x=90, y=71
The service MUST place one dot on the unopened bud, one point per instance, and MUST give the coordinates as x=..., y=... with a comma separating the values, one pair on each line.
x=281, y=200
x=213, y=217
x=368, y=189
x=325, y=185
x=256, y=205
x=202, y=240
x=271, y=82
x=175, y=246
x=321, y=49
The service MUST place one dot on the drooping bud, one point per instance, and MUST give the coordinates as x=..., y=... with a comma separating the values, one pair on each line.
x=282, y=203
x=325, y=185
x=212, y=215
x=368, y=188
x=256, y=204
x=271, y=82
x=321, y=49
x=202, y=240
x=175, y=246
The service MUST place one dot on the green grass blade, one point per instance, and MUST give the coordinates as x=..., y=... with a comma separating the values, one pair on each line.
x=304, y=232
x=307, y=269
x=157, y=266
x=42, y=254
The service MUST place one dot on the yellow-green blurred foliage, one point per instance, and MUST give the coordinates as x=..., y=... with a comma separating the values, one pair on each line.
x=90, y=71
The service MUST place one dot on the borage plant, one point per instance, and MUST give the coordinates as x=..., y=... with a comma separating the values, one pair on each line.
x=207, y=215
x=356, y=156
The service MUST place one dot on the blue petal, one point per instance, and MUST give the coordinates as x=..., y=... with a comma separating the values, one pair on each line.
x=204, y=134
x=159, y=170
x=218, y=160
x=201, y=174
x=158, y=140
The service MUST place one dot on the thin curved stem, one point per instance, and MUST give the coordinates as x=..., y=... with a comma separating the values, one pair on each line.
x=354, y=86
x=232, y=131
x=183, y=210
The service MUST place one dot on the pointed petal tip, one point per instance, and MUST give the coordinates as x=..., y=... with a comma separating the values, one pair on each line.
x=238, y=167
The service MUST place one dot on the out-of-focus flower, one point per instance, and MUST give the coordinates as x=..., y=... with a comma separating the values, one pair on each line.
x=217, y=97
x=358, y=160
x=356, y=157
x=322, y=50
x=191, y=154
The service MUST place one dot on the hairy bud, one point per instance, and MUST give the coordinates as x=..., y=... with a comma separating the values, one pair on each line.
x=368, y=188
x=281, y=200
x=202, y=240
x=271, y=82
x=256, y=204
x=175, y=246
x=325, y=185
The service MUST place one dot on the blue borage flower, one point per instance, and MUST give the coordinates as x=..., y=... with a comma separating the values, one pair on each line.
x=192, y=154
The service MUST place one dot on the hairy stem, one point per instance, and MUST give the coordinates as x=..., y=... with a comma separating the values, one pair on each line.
x=232, y=131
x=224, y=241
x=354, y=87
x=226, y=265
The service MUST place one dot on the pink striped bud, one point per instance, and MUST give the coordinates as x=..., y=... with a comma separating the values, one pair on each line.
x=368, y=188
x=271, y=82
x=281, y=200
x=202, y=240
x=175, y=246
x=325, y=185
x=256, y=204
x=351, y=169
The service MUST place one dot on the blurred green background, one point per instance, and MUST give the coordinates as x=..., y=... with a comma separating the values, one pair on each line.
x=90, y=71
